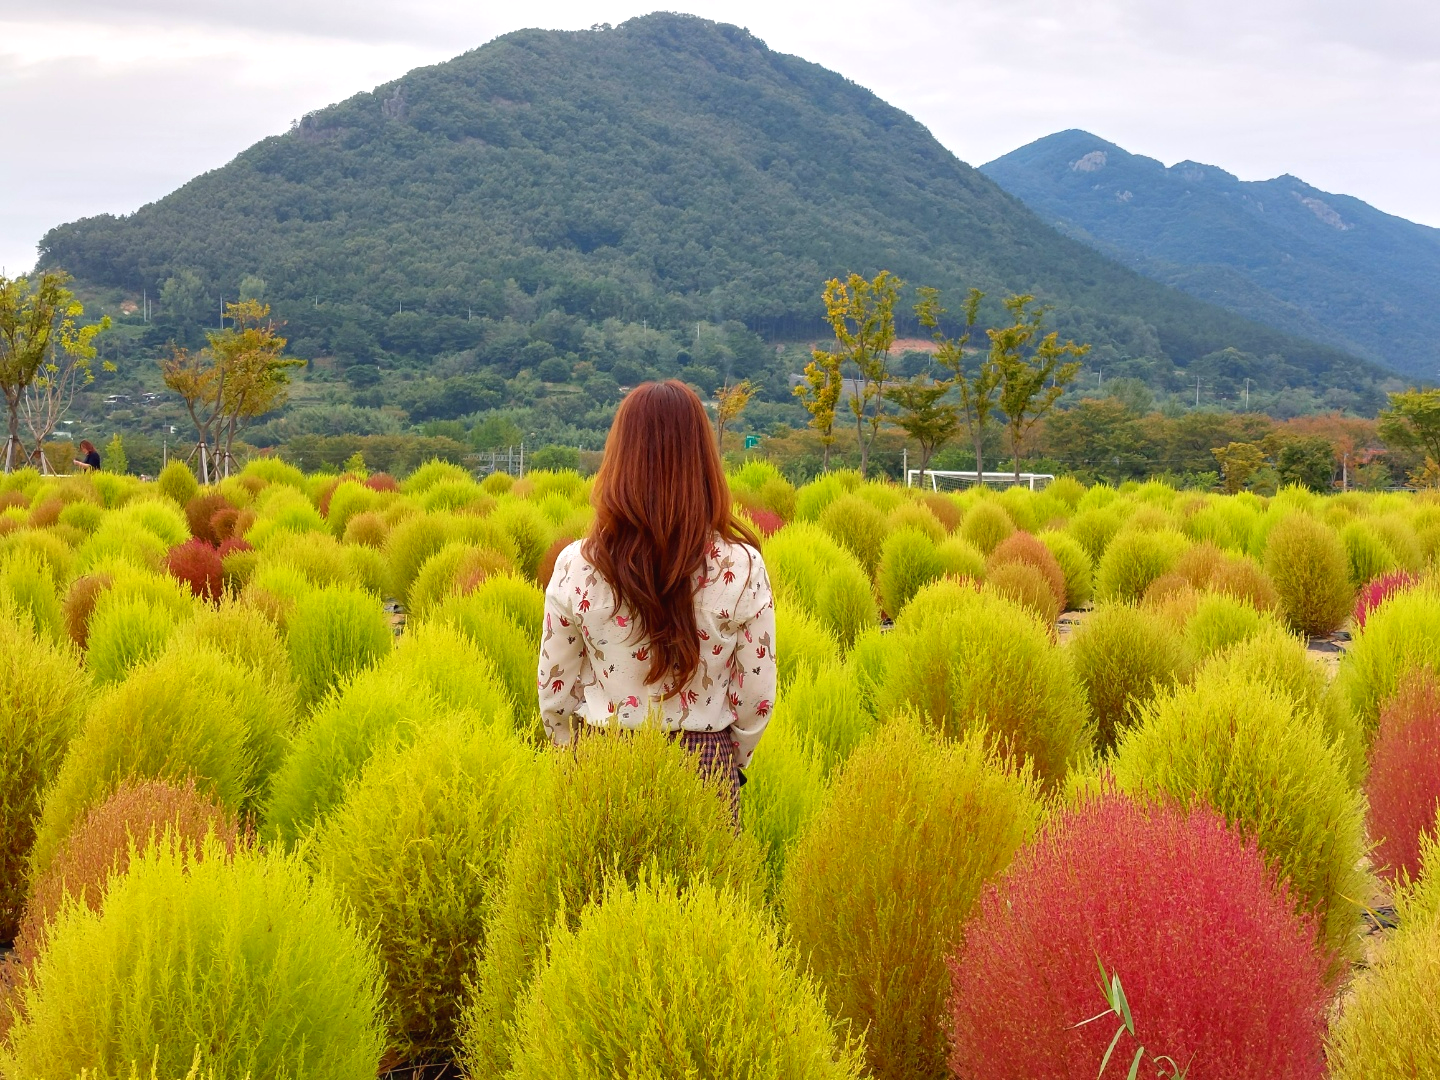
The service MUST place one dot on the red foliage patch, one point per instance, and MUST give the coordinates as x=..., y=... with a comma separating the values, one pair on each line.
x=1220, y=973
x=79, y=605
x=198, y=565
x=234, y=544
x=767, y=521
x=200, y=514
x=1021, y=547
x=46, y=513
x=1377, y=590
x=1404, y=782
x=382, y=482
x=223, y=523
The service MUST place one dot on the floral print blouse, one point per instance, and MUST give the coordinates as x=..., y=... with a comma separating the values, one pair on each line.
x=594, y=660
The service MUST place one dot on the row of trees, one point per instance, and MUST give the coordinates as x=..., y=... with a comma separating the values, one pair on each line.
x=1020, y=375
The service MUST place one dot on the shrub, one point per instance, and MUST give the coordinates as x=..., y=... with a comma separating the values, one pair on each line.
x=407, y=547
x=826, y=708
x=1075, y=565
x=274, y=588
x=115, y=540
x=187, y=714
x=1133, y=560
x=908, y=562
x=1376, y=591
x=1307, y=564
x=431, y=473
x=620, y=804
x=197, y=563
x=786, y=786
x=200, y=512
x=1176, y=906
x=44, y=547
x=100, y=847
x=809, y=569
x=367, y=529
x=159, y=517
x=1270, y=771
x=331, y=634
x=971, y=660
x=1401, y=636
x=985, y=525
x=858, y=527
x=1093, y=529
x=41, y=699
x=79, y=605
x=881, y=880
x=319, y=557
x=1026, y=586
x=1403, y=788
x=177, y=483
x=960, y=559
x=1220, y=621
x=529, y=531
x=438, y=577
x=916, y=515
x=807, y=645
x=1123, y=656
x=414, y=849
x=1366, y=553
x=246, y=964
x=125, y=631
x=27, y=589
x=503, y=617
x=1389, y=1028
x=1026, y=550
x=85, y=516
x=350, y=497
x=659, y=982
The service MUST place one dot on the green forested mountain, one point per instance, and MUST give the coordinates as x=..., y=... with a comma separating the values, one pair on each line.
x=1327, y=267
x=555, y=214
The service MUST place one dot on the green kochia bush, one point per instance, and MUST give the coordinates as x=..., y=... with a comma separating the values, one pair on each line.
x=966, y=660
x=1399, y=636
x=786, y=786
x=1242, y=747
x=883, y=877
x=41, y=698
x=622, y=803
x=414, y=848
x=1123, y=656
x=1075, y=564
x=809, y=569
x=247, y=963
x=124, y=631
x=27, y=584
x=908, y=562
x=985, y=525
x=1218, y=622
x=189, y=713
x=332, y=633
x=1133, y=560
x=807, y=644
x=658, y=982
x=857, y=526
x=1307, y=564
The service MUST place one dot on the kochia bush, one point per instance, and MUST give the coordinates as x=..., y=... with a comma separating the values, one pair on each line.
x=1219, y=972
x=1307, y=563
x=332, y=633
x=1124, y=656
x=620, y=805
x=986, y=524
x=1075, y=564
x=1269, y=769
x=908, y=562
x=247, y=963
x=657, y=981
x=1133, y=560
x=1403, y=788
x=883, y=877
x=807, y=568
x=1400, y=637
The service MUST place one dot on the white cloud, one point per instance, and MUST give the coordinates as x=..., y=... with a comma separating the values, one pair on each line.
x=109, y=108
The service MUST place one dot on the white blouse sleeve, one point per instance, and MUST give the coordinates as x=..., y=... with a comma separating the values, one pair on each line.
x=752, y=683
x=562, y=658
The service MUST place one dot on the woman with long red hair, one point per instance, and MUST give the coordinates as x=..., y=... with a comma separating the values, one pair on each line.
x=664, y=612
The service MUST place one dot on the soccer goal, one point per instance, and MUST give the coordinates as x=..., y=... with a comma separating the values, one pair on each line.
x=955, y=480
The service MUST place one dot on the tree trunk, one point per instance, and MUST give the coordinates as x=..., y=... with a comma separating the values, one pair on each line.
x=979, y=455
x=1015, y=449
x=825, y=460
x=860, y=438
x=12, y=445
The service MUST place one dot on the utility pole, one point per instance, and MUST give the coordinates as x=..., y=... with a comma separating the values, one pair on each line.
x=1197, y=391
x=1247, y=395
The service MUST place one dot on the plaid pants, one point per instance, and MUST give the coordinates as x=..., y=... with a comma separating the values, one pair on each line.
x=715, y=758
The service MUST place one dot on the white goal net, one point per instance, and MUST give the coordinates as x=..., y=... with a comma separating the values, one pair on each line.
x=955, y=480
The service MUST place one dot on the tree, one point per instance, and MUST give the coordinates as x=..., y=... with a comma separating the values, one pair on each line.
x=1239, y=461
x=50, y=394
x=862, y=315
x=195, y=376
x=977, y=388
x=1098, y=439
x=38, y=332
x=1308, y=461
x=820, y=394
x=1412, y=422
x=116, y=460
x=925, y=415
x=730, y=402
x=254, y=370
x=1024, y=367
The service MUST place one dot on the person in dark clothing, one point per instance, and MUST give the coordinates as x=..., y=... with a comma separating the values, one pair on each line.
x=91, y=461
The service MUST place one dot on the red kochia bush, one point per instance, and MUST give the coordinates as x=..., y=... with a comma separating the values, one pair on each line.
x=767, y=521
x=198, y=565
x=1220, y=973
x=382, y=482
x=200, y=515
x=1377, y=590
x=1403, y=787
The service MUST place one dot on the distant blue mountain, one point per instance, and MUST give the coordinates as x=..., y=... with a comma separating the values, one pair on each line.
x=1327, y=267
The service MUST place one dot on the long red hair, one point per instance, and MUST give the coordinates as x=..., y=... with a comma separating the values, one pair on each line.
x=660, y=501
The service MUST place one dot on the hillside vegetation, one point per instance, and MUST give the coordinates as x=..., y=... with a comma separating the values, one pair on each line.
x=1328, y=267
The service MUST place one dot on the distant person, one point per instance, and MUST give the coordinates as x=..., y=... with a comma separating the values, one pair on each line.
x=90, y=462
x=665, y=610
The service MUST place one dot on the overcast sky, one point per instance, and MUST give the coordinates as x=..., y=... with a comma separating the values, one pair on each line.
x=105, y=107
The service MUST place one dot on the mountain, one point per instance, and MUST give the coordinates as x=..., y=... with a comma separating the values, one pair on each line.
x=1327, y=267
x=586, y=199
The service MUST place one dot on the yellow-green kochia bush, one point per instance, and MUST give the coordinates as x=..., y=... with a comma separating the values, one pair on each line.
x=621, y=804
x=247, y=963
x=414, y=848
x=1123, y=656
x=663, y=982
x=908, y=562
x=966, y=660
x=1271, y=771
x=1402, y=634
x=1134, y=559
x=882, y=879
x=27, y=589
x=1218, y=622
x=1389, y=1027
x=125, y=631
x=178, y=483
x=332, y=633
x=42, y=696
x=986, y=524
x=1366, y=553
x=857, y=526
x=1075, y=564
x=809, y=569
x=786, y=786
x=1307, y=564
x=808, y=645
x=189, y=713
